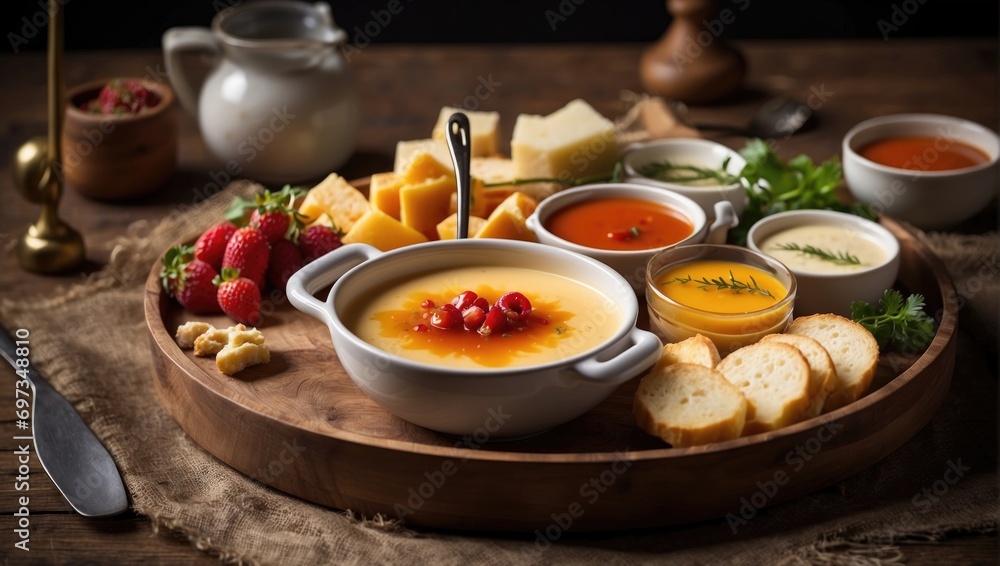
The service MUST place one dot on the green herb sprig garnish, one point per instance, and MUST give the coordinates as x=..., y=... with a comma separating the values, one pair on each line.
x=776, y=186
x=721, y=283
x=902, y=323
x=837, y=257
x=669, y=172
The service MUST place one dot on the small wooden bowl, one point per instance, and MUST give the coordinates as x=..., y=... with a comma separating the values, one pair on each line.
x=114, y=158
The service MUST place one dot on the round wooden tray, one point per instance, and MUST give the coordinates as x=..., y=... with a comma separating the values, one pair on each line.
x=300, y=425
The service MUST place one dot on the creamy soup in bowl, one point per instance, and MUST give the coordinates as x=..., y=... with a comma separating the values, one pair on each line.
x=564, y=320
x=544, y=366
x=837, y=258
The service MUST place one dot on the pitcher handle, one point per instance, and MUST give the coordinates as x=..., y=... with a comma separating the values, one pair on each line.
x=175, y=42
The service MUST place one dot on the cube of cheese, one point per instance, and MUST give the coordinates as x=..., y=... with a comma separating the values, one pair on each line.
x=572, y=142
x=482, y=129
x=493, y=196
x=407, y=150
x=383, y=192
x=477, y=198
x=507, y=221
x=423, y=205
x=494, y=169
x=424, y=166
x=447, y=229
x=378, y=229
x=337, y=198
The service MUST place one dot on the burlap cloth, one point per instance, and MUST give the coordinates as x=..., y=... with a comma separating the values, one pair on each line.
x=98, y=358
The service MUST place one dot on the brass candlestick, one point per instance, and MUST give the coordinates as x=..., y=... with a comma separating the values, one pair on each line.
x=49, y=245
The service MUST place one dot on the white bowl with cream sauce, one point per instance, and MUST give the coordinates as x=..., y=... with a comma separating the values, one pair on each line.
x=837, y=258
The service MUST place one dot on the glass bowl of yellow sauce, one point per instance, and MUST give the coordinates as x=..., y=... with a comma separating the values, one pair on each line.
x=732, y=295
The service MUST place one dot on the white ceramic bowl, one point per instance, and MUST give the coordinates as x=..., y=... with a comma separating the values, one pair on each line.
x=833, y=292
x=527, y=400
x=698, y=152
x=926, y=199
x=632, y=264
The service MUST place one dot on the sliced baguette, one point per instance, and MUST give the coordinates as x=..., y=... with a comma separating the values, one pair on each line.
x=697, y=349
x=689, y=404
x=823, y=375
x=852, y=348
x=774, y=377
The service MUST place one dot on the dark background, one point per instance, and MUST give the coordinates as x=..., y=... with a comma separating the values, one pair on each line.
x=114, y=24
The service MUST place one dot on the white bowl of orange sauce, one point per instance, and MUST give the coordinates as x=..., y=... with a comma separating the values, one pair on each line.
x=401, y=328
x=930, y=170
x=624, y=224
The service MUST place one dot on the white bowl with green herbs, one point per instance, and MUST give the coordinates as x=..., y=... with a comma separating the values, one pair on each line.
x=704, y=171
x=837, y=258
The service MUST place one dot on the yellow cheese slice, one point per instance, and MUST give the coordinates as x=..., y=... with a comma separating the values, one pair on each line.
x=507, y=220
x=477, y=196
x=407, y=150
x=422, y=167
x=423, y=205
x=378, y=229
x=447, y=229
x=383, y=192
x=337, y=198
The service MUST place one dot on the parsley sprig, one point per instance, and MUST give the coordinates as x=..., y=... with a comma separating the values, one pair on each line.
x=721, y=283
x=897, y=321
x=774, y=186
x=837, y=257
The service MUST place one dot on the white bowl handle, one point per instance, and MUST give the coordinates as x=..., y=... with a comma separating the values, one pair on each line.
x=725, y=218
x=322, y=272
x=645, y=348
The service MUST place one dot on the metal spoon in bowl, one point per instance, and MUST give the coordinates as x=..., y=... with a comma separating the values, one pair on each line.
x=778, y=118
x=459, y=144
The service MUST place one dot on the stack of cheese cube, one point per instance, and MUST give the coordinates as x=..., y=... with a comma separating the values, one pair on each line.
x=416, y=202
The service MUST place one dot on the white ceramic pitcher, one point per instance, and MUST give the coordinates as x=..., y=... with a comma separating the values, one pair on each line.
x=280, y=104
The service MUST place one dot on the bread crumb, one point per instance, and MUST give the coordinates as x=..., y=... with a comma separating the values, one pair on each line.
x=235, y=348
x=188, y=332
x=245, y=348
x=213, y=341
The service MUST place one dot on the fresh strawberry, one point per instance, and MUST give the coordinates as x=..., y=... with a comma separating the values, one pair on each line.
x=211, y=245
x=239, y=297
x=248, y=252
x=189, y=280
x=286, y=259
x=273, y=224
x=317, y=241
x=123, y=97
x=274, y=213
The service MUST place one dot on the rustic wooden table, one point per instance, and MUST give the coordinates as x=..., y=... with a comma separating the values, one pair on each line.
x=403, y=89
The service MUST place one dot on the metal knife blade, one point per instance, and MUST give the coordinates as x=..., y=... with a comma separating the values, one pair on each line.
x=76, y=461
